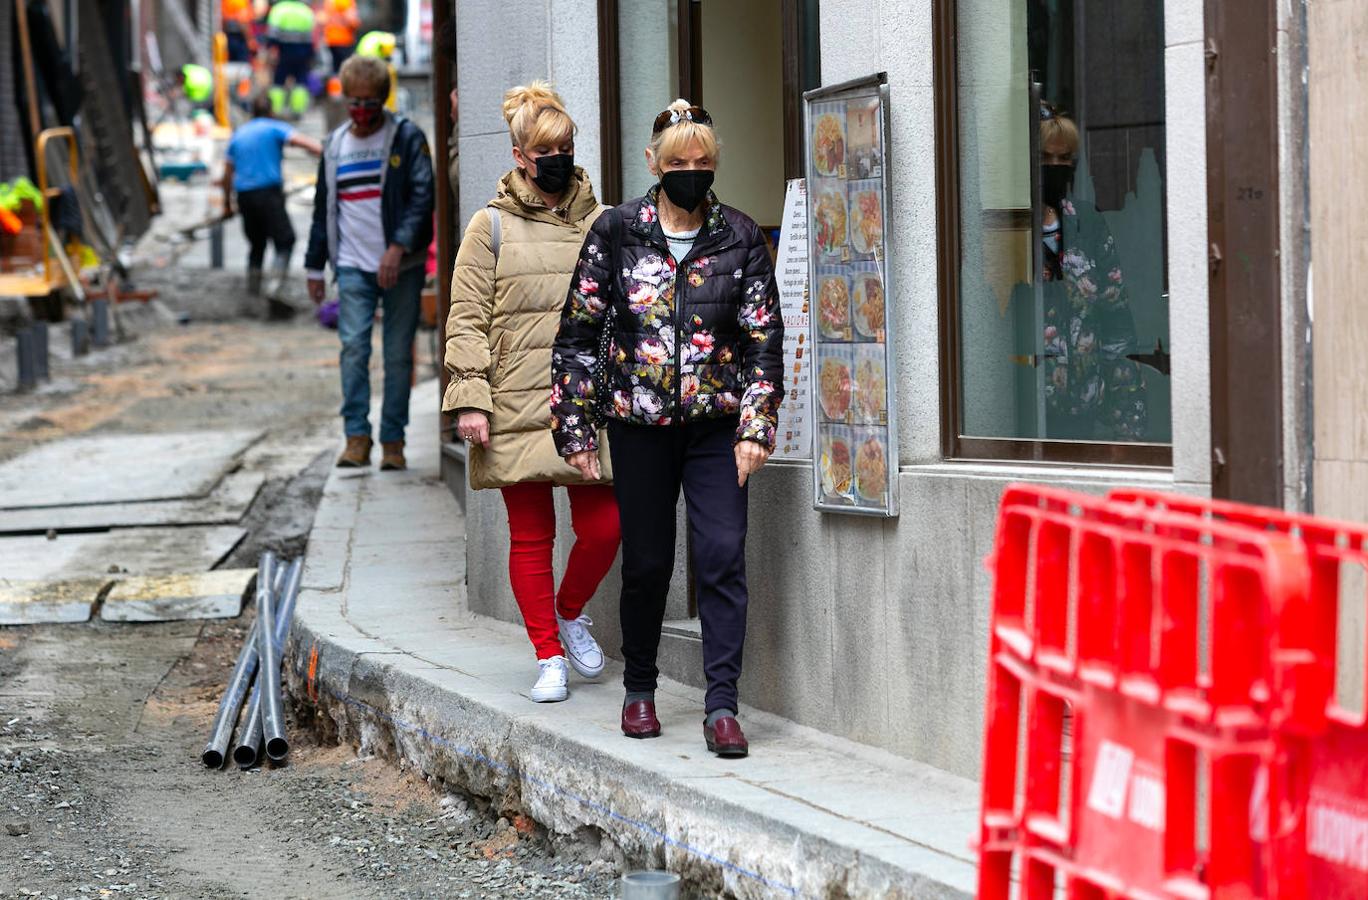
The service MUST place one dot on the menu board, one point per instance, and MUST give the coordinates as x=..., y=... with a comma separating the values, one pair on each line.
x=791, y=271
x=851, y=372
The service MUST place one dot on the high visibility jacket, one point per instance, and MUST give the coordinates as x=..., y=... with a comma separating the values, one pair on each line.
x=199, y=83
x=379, y=44
x=237, y=16
x=290, y=21
x=340, y=21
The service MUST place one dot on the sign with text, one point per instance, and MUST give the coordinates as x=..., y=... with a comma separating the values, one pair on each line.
x=791, y=271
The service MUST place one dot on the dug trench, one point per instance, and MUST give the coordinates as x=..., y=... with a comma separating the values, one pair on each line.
x=102, y=793
x=101, y=724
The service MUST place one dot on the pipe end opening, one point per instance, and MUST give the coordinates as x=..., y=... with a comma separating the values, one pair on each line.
x=277, y=749
x=245, y=757
x=212, y=759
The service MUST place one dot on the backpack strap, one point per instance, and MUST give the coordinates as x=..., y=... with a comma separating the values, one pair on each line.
x=495, y=232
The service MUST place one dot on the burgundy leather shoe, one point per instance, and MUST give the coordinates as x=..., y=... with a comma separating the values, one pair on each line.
x=639, y=720
x=725, y=738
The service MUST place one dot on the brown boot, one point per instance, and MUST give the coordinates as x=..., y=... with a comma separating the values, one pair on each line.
x=392, y=456
x=357, y=452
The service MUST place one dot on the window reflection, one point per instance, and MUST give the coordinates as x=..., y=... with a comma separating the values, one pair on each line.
x=648, y=44
x=1063, y=304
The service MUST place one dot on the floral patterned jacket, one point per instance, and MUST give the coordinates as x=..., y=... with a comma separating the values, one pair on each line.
x=702, y=339
x=1092, y=390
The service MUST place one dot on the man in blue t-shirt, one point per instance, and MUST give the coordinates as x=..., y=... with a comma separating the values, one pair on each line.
x=252, y=169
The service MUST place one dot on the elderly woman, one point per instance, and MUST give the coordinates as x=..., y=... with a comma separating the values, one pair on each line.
x=691, y=393
x=1093, y=391
x=506, y=295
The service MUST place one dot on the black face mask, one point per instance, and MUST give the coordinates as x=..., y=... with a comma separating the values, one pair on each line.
x=1055, y=181
x=554, y=172
x=687, y=188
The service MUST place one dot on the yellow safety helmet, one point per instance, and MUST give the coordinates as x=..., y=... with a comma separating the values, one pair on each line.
x=198, y=81
x=379, y=44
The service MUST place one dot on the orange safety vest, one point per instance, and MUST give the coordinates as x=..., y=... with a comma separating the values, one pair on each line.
x=237, y=16
x=340, y=22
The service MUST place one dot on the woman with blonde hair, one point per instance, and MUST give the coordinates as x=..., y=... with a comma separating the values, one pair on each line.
x=1093, y=389
x=685, y=288
x=506, y=294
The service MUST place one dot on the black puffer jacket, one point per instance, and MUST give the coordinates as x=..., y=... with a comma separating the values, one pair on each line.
x=703, y=339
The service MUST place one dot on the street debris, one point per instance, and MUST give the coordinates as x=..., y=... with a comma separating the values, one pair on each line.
x=165, y=598
x=277, y=590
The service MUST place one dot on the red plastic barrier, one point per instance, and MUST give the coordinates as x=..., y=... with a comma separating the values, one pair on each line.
x=1335, y=802
x=1099, y=610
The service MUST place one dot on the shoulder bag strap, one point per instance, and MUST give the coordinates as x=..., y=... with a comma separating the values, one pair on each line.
x=495, y=232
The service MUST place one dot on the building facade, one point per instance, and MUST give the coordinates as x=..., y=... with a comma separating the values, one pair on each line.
x=1159, y=336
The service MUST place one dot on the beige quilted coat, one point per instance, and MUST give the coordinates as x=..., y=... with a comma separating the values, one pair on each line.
x=502, y=324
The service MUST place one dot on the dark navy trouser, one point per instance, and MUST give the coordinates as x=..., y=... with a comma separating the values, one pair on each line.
x=650, y=464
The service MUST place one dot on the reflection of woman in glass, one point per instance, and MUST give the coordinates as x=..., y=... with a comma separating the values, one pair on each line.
x=1092, y=391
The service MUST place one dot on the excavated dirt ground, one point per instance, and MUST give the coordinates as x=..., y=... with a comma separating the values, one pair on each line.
x=101, y=725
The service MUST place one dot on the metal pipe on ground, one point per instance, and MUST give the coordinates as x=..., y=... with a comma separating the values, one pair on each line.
x=272, y=706
x=248, y=750
x=222, y=732
x=247, y=753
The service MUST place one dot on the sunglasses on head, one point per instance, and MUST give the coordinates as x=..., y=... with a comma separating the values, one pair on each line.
x=1049, y=111
x=368, y=103
x=696, y=114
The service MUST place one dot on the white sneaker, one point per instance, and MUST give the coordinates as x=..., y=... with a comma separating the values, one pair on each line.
x=551, y=683
x=580, y=646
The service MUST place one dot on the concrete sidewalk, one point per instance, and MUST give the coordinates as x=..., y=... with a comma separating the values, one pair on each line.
x=384, y=650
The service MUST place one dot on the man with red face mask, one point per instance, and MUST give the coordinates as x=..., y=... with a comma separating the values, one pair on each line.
x=373, y=222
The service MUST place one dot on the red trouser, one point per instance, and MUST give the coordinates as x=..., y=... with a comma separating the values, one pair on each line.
x=532, y=534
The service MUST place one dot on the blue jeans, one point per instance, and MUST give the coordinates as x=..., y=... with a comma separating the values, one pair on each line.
x=359, y=294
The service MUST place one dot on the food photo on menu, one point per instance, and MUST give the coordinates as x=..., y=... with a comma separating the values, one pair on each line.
x=837, y=465
x=871, y=388
x=867, y=302
x=871, y=465
x=833, y=304
x=829, y=142
x=835, y=383
x=864, y=156
x=829, y=213
x=865, y=218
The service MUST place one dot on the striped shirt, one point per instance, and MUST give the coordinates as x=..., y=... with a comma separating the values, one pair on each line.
x=361, y=234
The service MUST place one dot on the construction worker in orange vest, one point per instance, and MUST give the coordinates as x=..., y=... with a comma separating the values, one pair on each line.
x=340, y=22
x=237, y=25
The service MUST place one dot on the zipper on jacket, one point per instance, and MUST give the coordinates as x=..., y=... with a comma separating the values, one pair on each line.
x=679, y=342
x=679, y=313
